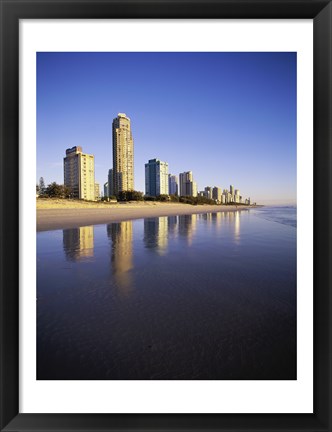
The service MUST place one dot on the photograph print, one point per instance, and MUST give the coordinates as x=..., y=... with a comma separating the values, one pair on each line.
x=166, y=216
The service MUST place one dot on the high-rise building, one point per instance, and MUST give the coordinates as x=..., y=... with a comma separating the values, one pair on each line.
x=193, y=189
x=216, y=194
x=97, y=191
x=123, y=155
x=237, y=196
x=188, y=187
x=208, y=192
x=156, y=178
x=227, y=197
x=106, y=190
x=173, y=187
x=110, y=183
x=79, y=173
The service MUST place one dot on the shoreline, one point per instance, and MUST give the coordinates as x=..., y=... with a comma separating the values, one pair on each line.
x=49, y=219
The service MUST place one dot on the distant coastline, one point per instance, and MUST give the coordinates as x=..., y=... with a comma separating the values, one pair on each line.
x=64, y=214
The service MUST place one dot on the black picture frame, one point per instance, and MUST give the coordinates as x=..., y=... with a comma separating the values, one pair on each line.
x=14, y=10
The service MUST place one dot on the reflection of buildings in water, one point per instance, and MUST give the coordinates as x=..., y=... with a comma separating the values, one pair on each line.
x=121, y=235
x=230, y=217
x=237, y=225
x=172, y=222
x=219, y=219
x=208, y=218
x=156, y=233
x=187, y=226
x=78, y=243
x=233, y=219
x=216, y=218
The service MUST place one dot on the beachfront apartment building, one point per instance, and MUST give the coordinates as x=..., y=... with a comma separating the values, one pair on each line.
x=110, y=183
x=123, y=154
x=227, y=197
x=237, y=197
x=208, y=192
x=106, y=190
x=156, y=178
x=173, y=185
x=79, y=173
x=188, y=187
x=97, y=191
x=216, y=194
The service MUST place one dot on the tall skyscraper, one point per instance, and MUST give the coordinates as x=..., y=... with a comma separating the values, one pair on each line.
x=188, y=186
x=208, y=192
x=123, y=155
x=216, y=193
x=106, y=190
x=237, y=196
x=227, y=197
x=173, y=187
x=97, y=191
x=156, y=178
x=79, y=173
x=110, y=183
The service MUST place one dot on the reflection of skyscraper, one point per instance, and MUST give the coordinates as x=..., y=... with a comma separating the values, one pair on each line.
x=237, y=226
x=156, y=233
x=187, y=226
x=123, y=155
x=216, y=219
x=78, y=243
x=121, y=235
x=172, y=222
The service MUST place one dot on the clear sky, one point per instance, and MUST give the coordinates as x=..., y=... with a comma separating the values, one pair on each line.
x=228, y=117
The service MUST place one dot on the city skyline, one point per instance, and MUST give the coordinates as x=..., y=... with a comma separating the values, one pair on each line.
x=230, y=118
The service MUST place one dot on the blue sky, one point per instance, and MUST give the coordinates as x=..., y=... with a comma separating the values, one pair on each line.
x=228, y=117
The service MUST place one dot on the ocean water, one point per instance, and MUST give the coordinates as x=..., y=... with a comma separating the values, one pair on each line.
x=286, y=215
x=210, y=296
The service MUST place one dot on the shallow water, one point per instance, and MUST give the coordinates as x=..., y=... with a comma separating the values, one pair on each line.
x=209, y=296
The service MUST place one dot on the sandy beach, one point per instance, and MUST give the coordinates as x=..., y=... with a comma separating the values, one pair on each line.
x=62, y=214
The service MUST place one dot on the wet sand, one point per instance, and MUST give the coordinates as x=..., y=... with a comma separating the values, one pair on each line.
x=63, y=218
